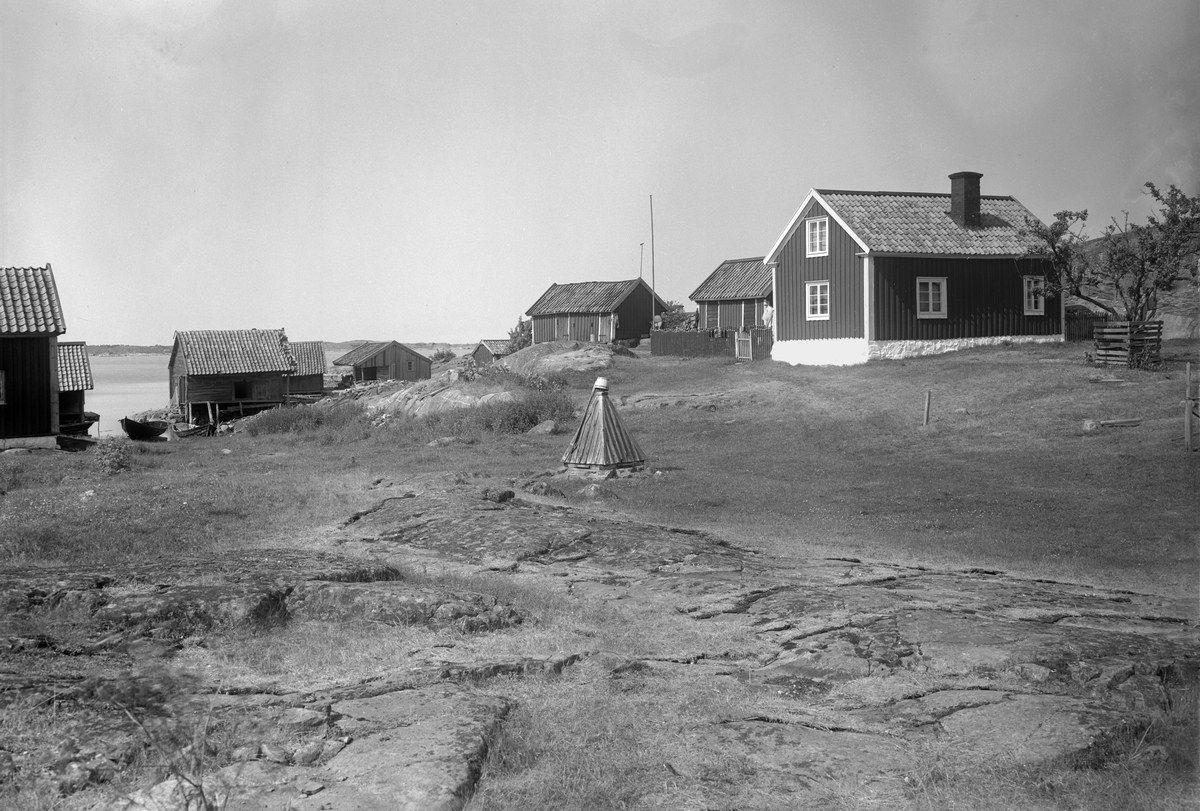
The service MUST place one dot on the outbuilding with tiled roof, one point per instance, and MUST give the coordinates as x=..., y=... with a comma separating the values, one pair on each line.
x=74, y=379
x=734, y=295
x=386, y=360
x=871, y=274
x=595, y=312
x=31, y=320
x=487, y=351
x=239, y=370
x=309, y=375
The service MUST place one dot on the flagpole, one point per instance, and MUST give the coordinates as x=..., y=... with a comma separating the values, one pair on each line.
x=652, y=247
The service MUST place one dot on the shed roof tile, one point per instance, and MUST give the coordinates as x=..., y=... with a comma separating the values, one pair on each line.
x=735, y=279
x=29, y=302
x=583, y=297
x=235, y=351
x=74, y=368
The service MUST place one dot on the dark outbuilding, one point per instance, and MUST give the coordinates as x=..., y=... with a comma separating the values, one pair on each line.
x=386, y=360
x=487, y=351
x=595, y=311
x=242, y=369
x=31, y=320
x=734, y=295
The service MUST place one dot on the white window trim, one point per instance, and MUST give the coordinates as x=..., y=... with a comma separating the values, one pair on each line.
x=808, y=226
x=937, y=314
x=808, y=313
x=1040, y=281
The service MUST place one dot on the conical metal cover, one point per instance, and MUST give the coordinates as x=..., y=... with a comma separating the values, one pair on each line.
x=601, y=441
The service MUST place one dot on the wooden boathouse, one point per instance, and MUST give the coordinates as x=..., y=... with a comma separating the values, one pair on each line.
x=309, y=376
x=386, y=360
x=240, y=370
x=31, y=320
x=595, y=311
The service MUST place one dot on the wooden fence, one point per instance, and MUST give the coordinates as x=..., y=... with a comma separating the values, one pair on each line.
x=752, y=345
x=1128, y=343
x=1080, y=326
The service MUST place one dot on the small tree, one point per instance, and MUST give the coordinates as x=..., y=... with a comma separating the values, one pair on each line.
x=1124, y=270
x=675, y=318
x=521, y=335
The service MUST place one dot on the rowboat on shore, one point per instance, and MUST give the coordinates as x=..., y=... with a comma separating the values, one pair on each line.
x=148, y=429
x=183, y=430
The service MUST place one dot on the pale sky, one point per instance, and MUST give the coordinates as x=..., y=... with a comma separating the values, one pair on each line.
x=422, y=171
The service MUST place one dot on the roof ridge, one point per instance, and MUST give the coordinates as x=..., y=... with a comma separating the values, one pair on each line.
x=911, y=194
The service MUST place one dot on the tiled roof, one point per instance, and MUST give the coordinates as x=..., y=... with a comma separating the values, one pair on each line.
x=361, y=353
x=499, y=347
x=904, y=222
x=29, y=302
x=234, y=351
x=309, y=357
x=74, y=369
x=366, y=351
x=583, y=297
x=735, y=279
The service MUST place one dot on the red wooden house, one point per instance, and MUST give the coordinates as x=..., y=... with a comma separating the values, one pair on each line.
x=861, y=275
x=31, y=320
x=595, y=311
x=733, y=295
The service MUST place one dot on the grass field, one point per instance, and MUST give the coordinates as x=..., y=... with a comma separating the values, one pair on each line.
x=796, y=462
x=791, y=460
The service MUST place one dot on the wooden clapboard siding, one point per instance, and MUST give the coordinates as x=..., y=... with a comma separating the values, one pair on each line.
x=842, y=268
x=985, y=297
x=30, y=386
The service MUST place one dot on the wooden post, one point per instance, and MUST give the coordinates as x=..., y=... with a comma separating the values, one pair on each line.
x=928, y=395
x=1188, y=403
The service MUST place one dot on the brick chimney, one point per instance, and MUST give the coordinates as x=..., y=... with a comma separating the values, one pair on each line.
x=964, y=199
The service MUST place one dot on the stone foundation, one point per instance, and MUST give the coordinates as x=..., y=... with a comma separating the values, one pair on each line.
x=879, y=350
x=825, y=352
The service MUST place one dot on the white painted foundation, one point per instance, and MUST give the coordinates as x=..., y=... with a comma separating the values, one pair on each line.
x=825, y=352
x=884, y=350
x=852, y=351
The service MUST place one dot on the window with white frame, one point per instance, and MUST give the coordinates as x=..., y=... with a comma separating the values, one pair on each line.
x=1035, y=295
x=817, y=295
x=931, y=297
x=817, y=232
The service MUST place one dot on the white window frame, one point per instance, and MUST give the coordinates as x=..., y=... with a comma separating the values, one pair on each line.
x=809, y=289
x=1035, y=285
x=814, y=227
x=932, y=313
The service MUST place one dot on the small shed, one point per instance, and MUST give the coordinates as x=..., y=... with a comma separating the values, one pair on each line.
x=74, y=379
x=487, y=351
x=734, y=295
x=242, y=369
x=595, y=311
x=309, y=377
x=386, y=360
x=31, y=320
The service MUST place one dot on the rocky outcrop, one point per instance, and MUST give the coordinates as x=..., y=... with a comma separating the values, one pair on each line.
x=869, y=659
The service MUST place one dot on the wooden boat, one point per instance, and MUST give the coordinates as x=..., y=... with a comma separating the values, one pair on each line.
x=74, y=443
x=150, y=429
x=183, y=430
x=80, y=426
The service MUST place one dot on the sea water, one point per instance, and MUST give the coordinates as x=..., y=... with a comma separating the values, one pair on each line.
x=125, y=385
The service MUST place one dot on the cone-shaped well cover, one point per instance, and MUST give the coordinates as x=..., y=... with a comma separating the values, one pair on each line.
x=601, y=441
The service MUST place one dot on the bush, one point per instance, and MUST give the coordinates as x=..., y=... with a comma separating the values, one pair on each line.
x=443, y=355
x=112, y=455
x=307, y=419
